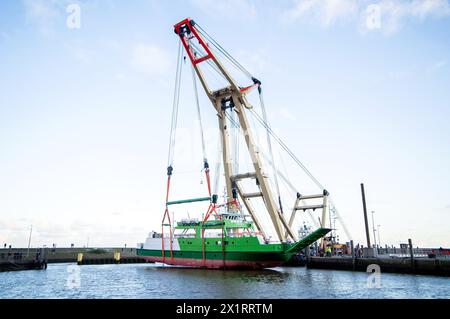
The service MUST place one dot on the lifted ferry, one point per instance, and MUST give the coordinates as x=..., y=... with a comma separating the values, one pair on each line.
x=230, y=235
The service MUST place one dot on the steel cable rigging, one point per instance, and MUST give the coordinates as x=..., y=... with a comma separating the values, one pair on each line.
x=176, y=102
x=263, y=120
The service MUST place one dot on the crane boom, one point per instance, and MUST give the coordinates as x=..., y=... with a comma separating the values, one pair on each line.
x=232, y=97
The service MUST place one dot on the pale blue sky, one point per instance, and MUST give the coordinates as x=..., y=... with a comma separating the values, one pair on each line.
x=85, y=113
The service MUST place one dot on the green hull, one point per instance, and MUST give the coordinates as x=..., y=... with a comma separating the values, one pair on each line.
x=229, y=252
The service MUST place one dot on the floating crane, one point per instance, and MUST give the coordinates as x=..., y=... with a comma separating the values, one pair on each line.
x=226, y=237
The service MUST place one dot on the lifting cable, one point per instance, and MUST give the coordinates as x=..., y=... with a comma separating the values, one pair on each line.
x=235, y=139
x=200, y=123
x=218, y=167
x=176, y=100
x=269, y=143
x=288, y=151
x=173, y=129
x=263, y=121
x=209, y=62
x=223, y=51
x=292, y=155
x=288, y=183
x=341, y=221
x=199, y=116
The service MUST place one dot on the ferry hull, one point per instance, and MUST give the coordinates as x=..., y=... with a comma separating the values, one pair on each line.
x=215, y=264
x=220, y=253
x=217, y=259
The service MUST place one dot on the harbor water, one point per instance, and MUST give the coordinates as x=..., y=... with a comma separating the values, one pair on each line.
x=158, y=281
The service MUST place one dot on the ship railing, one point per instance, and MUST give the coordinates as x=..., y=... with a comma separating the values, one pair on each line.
x=184, y=235
x=241, y=234
x=22, y=254
x=9, y=256
x=213, y=235
x=417, y=252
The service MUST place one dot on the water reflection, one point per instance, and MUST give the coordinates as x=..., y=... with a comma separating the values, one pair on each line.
x=156, y=281
x=245, y=276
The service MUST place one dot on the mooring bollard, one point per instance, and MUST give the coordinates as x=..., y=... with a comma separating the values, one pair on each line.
x=80, y=258
x=117, y=257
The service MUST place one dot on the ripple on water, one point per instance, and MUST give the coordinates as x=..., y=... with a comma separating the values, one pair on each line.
x=156, y=281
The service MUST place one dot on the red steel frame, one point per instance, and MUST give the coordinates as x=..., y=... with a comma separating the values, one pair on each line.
x=185, y=40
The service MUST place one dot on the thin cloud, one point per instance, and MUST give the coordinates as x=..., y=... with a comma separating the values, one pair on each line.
x=256, y=61
x=41, y=9
x=426, y=8
x=43, y=14
x=227, y=8
x=323, y=12
x=394, y=14
x=150, y=59
x=50, y=16
x=438, y=66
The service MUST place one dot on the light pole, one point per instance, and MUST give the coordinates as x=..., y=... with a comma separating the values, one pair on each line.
x=373, y=227
x=29, y=240
x=378, y=230
x=366, y=223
